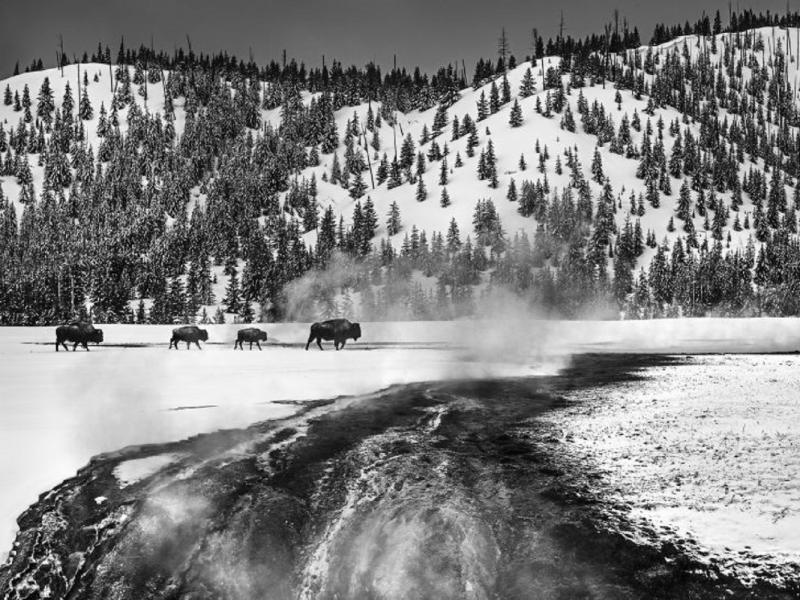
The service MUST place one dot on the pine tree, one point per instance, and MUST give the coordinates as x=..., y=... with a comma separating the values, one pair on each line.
x=515, y=120
x=421, y=165
x=425, y=136
x=491, y=165
x=494, y=98
x=456, y=129
x=453, y=237
x=567, y=120
x=45, y=104
x=440, y=120
x=684, y=201
x=505, y=90
x=393, y=223
x=511, y=195
x=422, y=193
x=527, y=87
x=522, y=164
x=85, y=111
x=407, y=153
x=597, y=167
x=444, y=200
x=357, y=187
x=483, y=107
x=232, y=299
x=336, y=170
x=472, y=142
x=443, y=172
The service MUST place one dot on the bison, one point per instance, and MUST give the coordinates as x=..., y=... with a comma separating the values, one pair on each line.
x=189, y=334
x=78, y=332
x=252, y=335
x=338, y=330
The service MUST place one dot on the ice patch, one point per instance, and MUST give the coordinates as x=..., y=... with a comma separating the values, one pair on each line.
x=131, y=471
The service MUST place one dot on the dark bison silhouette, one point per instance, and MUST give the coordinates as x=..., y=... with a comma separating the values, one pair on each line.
x=77, y=332
x=254, y=335
x=191, y=334
x=338, y=330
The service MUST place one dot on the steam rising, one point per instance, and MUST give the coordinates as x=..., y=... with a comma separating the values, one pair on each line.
x=304, y=295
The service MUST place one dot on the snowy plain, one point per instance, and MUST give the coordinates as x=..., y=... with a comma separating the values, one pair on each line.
x=706, y=453
x=57, y=410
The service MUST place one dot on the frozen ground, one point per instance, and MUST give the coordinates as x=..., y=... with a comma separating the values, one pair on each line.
x=60, y=409
x=706, y=453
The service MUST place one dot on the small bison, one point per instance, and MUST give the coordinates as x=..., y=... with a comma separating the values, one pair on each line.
x=254, y=335
x=78, y=332
x=191, y=334
x=338, y=330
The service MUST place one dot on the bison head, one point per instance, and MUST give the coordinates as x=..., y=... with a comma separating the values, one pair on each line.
x=355, y=331
x=204, y=335
x=262, y=335
x=96, y=336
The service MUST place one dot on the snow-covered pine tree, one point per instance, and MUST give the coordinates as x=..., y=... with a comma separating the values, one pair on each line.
x=515, y=119
x=444, y=199
x=527, y=87
x=421, y=193
x=393, y=223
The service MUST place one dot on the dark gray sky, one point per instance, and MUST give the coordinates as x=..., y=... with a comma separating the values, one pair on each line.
x=424, y=32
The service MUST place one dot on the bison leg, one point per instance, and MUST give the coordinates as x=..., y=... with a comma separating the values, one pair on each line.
x=74, y=346
x=310, y=339
x=251, y=346
x=342, y=344
x=198, y=345
x=58, y=342
x=319, y=343
x=257, y=344
x=172, y=341
x=85, y=345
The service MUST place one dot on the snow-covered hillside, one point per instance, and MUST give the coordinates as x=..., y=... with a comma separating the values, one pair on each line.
x=542, y=141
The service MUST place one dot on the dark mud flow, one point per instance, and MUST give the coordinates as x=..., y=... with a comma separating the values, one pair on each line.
x=425, y=491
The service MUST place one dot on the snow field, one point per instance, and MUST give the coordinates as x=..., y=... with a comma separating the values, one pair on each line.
x=59, y=409
x=704, y=453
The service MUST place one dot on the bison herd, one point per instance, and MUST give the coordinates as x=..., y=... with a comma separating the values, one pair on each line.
x=338, y=330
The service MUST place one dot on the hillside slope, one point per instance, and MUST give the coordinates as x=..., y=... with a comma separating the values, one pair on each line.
x=600, y=157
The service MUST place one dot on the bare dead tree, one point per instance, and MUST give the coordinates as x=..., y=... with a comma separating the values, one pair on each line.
x=366, y=149
x=606, y=47
x=503, y=48
x=61, y=56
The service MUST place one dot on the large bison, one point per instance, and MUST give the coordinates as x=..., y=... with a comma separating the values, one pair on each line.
x=77, y=332
x=191, y=334
x=338, y=330
x=254, y=335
